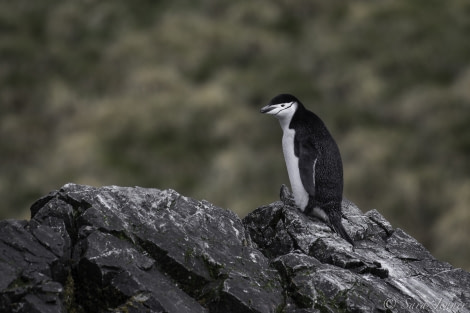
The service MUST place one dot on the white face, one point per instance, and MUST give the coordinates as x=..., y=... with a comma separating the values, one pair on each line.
x=281, y=110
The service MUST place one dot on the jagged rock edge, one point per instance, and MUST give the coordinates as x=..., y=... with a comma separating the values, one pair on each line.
x=78, y=208
x=167, y=266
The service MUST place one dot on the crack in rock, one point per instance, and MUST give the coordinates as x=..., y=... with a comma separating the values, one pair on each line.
x=122, y=249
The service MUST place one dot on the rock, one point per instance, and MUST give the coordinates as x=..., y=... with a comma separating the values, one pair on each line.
x=387, y=270
x=30, y=273
x=117, y=249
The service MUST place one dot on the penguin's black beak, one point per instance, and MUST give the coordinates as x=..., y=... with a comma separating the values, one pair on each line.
x=266, y=108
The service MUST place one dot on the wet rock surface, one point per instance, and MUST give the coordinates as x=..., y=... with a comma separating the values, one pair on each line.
x=122, y=249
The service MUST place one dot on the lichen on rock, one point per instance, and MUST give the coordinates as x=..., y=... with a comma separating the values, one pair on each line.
x=122, y=249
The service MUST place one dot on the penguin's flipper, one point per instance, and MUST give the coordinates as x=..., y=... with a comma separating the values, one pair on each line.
x=307, y=154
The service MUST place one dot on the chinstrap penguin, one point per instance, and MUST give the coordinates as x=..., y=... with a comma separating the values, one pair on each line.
x=313, y=161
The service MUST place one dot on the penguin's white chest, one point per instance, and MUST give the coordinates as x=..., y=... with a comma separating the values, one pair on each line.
x=292, y=163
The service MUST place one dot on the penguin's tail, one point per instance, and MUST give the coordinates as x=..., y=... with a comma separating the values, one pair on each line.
x=335, y=221
x=339, y=229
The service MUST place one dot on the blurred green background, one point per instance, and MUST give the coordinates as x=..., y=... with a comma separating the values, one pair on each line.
x=166, y=94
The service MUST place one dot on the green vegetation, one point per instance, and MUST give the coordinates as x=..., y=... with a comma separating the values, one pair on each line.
x=69, y=295
x=167, y=95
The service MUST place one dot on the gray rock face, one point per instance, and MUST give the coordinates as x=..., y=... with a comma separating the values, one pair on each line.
x=116, y=249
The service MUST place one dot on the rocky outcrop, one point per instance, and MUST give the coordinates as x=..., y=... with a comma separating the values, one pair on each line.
x=117, y=249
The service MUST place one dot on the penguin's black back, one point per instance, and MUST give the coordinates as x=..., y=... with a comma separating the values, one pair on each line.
x=329, y=167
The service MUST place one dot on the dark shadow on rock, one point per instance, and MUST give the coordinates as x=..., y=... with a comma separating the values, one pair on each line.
x=119, y=249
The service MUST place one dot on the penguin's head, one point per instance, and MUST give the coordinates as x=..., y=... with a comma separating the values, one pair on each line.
x=281, y=106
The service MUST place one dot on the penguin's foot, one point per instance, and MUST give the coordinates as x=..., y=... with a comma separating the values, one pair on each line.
x=286, y=196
